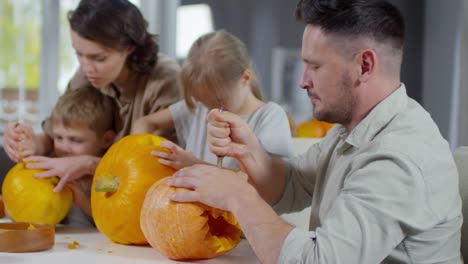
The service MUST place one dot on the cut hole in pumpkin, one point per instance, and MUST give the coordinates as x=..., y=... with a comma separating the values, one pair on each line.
x=223, y=234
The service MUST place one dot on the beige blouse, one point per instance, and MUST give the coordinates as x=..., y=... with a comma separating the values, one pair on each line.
x=150, y=93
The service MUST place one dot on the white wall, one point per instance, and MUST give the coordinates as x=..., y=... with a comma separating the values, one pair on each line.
x=439, y=63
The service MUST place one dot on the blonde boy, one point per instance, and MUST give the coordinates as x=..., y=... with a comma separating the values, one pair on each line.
x=82, y=123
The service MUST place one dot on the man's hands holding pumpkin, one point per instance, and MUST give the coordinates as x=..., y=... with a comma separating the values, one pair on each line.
x=212, y=186
x=66, y=168
x=178, y=157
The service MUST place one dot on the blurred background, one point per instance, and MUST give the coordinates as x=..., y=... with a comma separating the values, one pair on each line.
x=37, y=60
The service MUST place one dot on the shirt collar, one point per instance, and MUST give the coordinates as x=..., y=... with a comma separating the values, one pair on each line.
x=375, y=121
x=128, y=94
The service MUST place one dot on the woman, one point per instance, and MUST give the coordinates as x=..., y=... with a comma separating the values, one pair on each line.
x=119, y=57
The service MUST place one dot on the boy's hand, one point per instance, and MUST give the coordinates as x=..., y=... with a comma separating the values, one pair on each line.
x=19, y=141
x=178, y=158
x=80, y=198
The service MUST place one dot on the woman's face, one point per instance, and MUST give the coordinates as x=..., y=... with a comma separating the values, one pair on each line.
x=101, y=65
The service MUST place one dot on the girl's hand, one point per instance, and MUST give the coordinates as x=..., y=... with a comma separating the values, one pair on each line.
x=178, y=157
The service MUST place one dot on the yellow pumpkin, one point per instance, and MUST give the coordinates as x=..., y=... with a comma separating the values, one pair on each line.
x=28, y=199
x=122, y=178
x=186, y=231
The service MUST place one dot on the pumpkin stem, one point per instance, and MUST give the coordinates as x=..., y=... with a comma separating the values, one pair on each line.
x=108, y=184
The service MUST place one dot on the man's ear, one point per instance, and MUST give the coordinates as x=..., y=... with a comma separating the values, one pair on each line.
x=367, y=60
x=108, y=138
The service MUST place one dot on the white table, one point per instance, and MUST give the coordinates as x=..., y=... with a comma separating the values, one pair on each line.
x=94, y=247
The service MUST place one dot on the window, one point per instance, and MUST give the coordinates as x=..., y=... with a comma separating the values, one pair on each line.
x=31, y=78
x=68, y=61
x=19, y=67
x=187, y=30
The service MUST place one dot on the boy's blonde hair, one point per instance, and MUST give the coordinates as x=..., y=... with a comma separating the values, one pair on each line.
x=85, y=106
x=216, y=61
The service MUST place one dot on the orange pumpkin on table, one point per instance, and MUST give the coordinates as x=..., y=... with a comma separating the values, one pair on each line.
x=28, y=199
x=313, y=128
x=122, y=178
x=186, y=231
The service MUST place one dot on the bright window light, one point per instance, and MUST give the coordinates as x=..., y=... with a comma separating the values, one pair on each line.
x=192, y=22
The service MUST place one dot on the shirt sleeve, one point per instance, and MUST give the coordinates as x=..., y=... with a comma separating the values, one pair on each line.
x=300, y=180
x=370, y=216
x=272, y=130
x=163, y=89
x=182, y=118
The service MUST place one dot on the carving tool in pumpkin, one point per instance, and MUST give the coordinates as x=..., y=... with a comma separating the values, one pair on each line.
x=219, y=162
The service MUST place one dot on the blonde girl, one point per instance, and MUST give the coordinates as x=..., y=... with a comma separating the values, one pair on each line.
x=217, y=73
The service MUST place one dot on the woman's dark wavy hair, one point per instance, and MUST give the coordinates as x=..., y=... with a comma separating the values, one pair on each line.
x=116, y=24
x=377, y=19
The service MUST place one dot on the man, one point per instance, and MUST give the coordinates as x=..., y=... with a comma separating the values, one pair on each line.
x=382, y=186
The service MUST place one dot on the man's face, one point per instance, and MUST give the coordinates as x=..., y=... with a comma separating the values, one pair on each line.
x=327, y=77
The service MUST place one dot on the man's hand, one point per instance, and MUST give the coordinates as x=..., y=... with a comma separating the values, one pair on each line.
x=178, y=157
x=66, y=168
x=219, y=188
x=229, y=135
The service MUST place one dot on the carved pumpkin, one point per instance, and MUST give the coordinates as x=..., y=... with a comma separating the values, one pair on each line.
x=186, y=231
x=121, y=180
x=28, y=199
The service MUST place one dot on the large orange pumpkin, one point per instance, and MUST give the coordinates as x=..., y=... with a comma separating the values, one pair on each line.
x=121, y=180
x=28, y=199
x=186, y=231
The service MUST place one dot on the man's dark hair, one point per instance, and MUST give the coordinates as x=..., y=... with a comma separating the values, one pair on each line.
x=376, y=19
x=116, y=24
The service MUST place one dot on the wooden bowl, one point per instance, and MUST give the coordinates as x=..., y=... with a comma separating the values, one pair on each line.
x=26, y=237
x=2, y=208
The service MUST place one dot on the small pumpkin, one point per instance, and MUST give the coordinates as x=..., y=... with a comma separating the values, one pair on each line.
x=186, y=231
x=313, y=128
x=28, y=199
x=121, y=180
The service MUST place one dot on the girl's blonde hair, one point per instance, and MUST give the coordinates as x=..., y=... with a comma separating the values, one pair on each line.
x=84, y=106
x=216, y=61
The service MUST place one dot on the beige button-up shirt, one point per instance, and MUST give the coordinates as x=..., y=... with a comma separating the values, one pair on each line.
x=386, y=192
